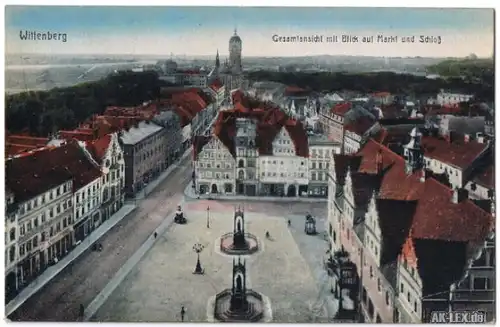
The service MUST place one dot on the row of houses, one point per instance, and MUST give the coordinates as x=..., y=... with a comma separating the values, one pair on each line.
x=256, y=149
x=398, y=207
x=60, y=189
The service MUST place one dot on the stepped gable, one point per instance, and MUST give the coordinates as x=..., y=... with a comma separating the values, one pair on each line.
x=269, y=121
x=99, y=147
x=199, y=141
x=427, y=232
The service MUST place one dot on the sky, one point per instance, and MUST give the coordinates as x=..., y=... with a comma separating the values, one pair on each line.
x=203, y=30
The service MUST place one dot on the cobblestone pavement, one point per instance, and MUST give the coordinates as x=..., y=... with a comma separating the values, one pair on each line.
x=80, y=282
x=163, y=282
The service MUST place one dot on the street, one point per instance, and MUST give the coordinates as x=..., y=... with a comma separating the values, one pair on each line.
x=81, y=281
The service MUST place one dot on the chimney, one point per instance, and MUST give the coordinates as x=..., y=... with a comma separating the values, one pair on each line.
x=379, y=161
x=423, y=175
x=480, y=138
x=459, y=195
x=451, y=136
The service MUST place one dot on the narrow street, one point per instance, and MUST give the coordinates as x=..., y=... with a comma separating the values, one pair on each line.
x=81, y=281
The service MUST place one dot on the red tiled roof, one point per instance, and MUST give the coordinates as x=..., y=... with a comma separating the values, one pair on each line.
x=393, y=111
x=381, y=94
x=457, y=152
x=199, y=141
x=395, y=183
x=29, y=176
x=486, y=177
x=27, y=140
x=295, y=90
x=13, y=149
x=438, y=218
x=484, y=171
x=430, y=110
x=216, y=85
x=77, y=135
x=361, y=125
x=341, y=108
x=99, y=147
x=189, y=71
x=428, y=229
x=270, y=119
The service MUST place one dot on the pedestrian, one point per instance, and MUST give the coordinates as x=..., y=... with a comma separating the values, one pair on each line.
x=183, y=312
x=155, y=234
x=82, y=310
x=289, y=223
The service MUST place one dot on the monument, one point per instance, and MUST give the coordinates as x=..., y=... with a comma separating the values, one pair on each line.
x=239, y=242
x=239, y=304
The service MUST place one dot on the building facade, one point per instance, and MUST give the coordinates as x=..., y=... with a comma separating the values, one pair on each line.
x=407, y=267
x=144, y=147
x=172, y=125
x=40, y=201
x=108, y=153
x=283, y=164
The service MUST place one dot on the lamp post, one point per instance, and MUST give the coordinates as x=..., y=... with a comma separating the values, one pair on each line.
x=198, y=248
x=208, y=216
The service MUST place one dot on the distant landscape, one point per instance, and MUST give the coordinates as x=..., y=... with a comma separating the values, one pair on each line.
x=40, y=72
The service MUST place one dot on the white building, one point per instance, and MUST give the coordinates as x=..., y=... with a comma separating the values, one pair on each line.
x=107, y=152
x=450, y=99
x=261, y=159
x=87, y=200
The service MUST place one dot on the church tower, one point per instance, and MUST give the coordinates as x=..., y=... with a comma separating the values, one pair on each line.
x=413, y=152
x=217, y=64
x=235, y=47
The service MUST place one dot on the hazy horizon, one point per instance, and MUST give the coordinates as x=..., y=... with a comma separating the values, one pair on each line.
x=201, y=31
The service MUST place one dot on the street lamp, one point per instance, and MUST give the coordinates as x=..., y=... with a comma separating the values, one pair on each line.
x=198, y=248
x=208, y=216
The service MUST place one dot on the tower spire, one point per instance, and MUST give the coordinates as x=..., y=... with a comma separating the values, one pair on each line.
x=235, y=31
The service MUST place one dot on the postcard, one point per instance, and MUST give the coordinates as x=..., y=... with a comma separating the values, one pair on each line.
x=249, y=164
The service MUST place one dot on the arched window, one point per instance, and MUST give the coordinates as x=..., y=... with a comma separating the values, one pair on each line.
x=241, y=163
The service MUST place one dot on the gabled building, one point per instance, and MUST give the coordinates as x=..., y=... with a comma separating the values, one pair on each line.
x=108, y=153
x=403, y=229
x=257, y=149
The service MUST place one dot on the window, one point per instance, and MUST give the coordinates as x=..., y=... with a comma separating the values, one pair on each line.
x=408, y=296
x=35, y=241
x=371, y=272
x=12, y=253
x=12, y=234
x=379, y=285
x=21, y=250
x=480, y=283
x=402, y=288
x=387, y=298
x=415, y=306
